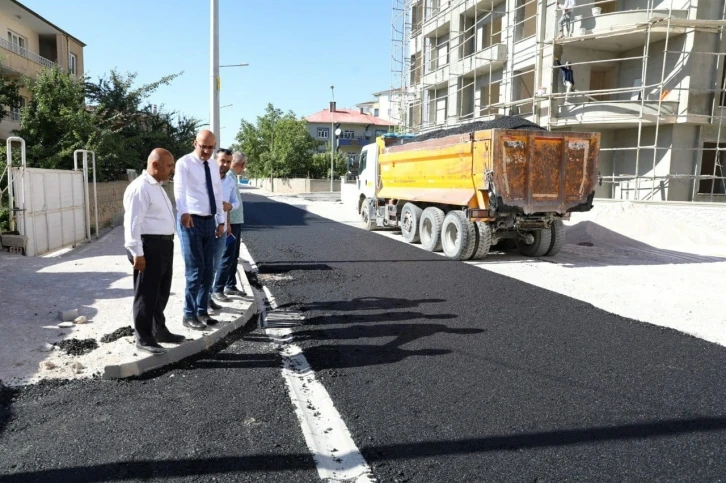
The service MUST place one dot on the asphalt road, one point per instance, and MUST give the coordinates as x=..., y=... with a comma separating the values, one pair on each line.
x=224, y=416
x=446, y=372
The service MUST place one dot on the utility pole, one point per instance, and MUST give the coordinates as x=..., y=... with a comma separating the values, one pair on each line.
x=214, y=71
x=332, y=136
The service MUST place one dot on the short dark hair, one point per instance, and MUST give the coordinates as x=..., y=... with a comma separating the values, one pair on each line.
x=224, y=151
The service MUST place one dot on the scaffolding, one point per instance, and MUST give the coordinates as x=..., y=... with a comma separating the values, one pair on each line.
x=503, y=52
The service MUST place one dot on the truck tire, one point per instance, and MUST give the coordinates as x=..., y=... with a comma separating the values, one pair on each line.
x=458, y=236
x=540, y=246
x=365, y=220
x=430, y=228
x=558, y=238
x=410, y=218
x=483, y=240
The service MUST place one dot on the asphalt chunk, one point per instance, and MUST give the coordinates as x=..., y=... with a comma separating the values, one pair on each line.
x=77, y=347
x=117, y=334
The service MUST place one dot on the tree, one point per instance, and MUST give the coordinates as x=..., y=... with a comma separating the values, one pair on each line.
x=279, y=145
x=56, y=122
x=321, y=164
x=9, y=95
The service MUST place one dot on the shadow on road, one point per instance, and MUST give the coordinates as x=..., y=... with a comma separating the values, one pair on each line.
x=257, y=463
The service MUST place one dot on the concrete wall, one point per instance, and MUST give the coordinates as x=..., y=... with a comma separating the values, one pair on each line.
x=295, y=185
x=110, y=202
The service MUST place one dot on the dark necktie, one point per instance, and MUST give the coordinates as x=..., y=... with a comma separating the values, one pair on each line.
x=210, y=189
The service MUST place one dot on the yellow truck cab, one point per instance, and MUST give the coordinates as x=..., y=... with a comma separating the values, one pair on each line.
x=465, y=189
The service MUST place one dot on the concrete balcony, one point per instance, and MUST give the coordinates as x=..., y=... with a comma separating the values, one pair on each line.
x=436, y=77
x=21, y=60
x=626, y=30
x=614, y=114
x=493, y=57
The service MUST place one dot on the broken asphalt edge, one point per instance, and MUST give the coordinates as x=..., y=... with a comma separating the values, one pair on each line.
x=187, y=349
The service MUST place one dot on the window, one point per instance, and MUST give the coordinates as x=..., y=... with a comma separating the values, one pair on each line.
x=376, y=112
x=15, y=113
x=16, y=42
x=72, y=63
x=323, y=132
x=712, y=165
x=362, y=164
x=348, y=135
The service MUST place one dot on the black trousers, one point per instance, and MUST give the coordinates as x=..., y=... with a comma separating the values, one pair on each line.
x=152, y=287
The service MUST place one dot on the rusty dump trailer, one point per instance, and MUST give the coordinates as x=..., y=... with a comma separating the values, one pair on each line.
x=463, y=193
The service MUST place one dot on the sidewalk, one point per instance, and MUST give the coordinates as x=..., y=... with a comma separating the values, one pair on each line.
x=96, y=280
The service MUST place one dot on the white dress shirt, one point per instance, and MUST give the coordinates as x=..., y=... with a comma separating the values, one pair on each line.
x=148, y=211
x=229, y=187
x=190, y=187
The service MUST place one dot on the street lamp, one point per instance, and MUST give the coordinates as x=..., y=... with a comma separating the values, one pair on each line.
x=332, y=136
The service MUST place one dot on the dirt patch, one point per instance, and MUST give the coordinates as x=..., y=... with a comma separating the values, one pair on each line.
x=76, y=347
x=117, y=334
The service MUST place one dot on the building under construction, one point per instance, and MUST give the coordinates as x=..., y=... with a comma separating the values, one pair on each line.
x=648, y=75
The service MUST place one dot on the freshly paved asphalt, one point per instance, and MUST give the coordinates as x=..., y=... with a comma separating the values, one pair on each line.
x=442, y=371
x=447, y=372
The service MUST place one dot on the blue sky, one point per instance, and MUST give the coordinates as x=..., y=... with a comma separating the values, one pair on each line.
x=296, y=50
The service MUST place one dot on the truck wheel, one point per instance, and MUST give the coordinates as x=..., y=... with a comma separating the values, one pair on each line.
x=365, y=218
x=430, y=228
x=410, y=217
x=540, y=245
x=558, y=238
x=458, y=236
x=483, y=240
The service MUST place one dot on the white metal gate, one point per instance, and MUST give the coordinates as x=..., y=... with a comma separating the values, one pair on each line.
x=54, y=215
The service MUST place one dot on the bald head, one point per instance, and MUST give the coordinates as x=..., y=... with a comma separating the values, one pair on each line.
x=160, y=164
x=204, y=144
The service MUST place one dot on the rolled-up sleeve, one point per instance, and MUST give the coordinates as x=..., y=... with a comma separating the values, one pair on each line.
x=135, y=205
x=221, y=215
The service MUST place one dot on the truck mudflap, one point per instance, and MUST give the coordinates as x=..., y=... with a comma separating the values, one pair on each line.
x=543, y=172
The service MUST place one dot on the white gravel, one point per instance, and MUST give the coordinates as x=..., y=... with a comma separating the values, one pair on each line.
x=642, y=265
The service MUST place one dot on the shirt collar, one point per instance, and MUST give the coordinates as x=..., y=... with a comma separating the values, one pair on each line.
x=149, y=179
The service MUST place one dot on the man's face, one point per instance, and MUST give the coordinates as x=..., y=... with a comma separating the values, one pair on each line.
x=238, y=168
x=204, y=146
x=165, y=168
x=225, y=161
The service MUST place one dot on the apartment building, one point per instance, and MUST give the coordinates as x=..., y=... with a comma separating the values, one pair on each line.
x=648, y=75
x=356, y=129
x=386, y=105
x=29, y=43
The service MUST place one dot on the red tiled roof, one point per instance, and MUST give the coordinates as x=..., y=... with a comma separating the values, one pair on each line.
x=346, y=116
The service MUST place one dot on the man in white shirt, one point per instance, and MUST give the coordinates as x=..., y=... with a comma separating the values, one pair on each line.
x=149, y=240
x=566, y=19
x=230, y=201
x=198, y=194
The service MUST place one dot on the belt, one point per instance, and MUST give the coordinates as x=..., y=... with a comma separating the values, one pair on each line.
x=202, y=217
x=158, y=237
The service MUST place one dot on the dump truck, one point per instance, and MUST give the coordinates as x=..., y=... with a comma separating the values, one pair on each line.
x=467, y=189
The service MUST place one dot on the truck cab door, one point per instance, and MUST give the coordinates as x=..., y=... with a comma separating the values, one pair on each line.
x=368, y=171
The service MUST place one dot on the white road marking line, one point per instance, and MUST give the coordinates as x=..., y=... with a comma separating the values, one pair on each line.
x=336, y=456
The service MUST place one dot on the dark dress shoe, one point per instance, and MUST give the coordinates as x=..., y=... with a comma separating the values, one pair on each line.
x=234, y=291
x=214, y=305
x=207, y=319
x=151, y=347
x=170, y=338
x=220, y=296
x=193, y=323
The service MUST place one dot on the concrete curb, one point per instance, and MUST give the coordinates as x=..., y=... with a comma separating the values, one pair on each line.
x=182, y=351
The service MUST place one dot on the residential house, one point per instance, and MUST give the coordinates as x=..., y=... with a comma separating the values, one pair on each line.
x=29, y=43
x=387, y=106
x=357, y=129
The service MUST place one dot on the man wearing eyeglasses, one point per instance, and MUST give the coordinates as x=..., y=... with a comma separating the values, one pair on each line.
x=201, y=221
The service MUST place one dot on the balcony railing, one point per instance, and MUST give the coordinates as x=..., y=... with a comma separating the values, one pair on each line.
x=23, y=52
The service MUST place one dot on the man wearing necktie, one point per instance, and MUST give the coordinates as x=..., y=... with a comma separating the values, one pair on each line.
x=201, y=220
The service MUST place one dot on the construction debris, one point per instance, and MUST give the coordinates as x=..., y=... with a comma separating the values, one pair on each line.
x=76, y=347
x=68, y=315
x=80, y=320
x=117, y=334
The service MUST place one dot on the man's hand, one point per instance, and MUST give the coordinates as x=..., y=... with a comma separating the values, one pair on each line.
x=227, y=206
x=140, y=263
x=186, y=220
x=229, y=229
x=220, y=230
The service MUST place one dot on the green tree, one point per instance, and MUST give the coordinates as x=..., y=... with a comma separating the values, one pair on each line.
x=321, y=164
x=279, y=145
x=56, y=122
x=9, y=95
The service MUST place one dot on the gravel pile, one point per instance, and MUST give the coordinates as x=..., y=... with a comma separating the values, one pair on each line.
x=506, y=122
x=117, y=334
x=76, y=347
